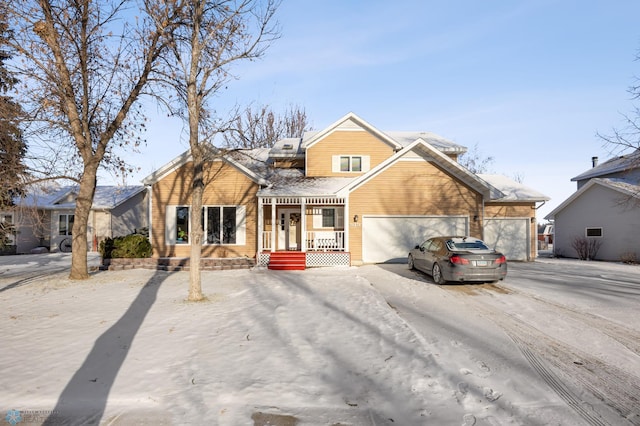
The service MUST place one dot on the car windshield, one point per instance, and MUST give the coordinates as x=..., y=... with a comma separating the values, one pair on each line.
x=466, y=245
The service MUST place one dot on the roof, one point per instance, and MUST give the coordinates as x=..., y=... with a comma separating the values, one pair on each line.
x=619, y=185
x=512, y=190
x=397, y=139
x=427, y=150
x=614, y=165
x=251, y=156
x=105, y=198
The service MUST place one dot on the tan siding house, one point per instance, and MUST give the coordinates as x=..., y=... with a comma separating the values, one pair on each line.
x=346, y=195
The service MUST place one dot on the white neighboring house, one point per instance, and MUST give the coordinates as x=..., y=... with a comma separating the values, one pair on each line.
x=605, y=209
x=44, y=218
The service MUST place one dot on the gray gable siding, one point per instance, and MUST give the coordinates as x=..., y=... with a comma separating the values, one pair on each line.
x=130, y=215
x=603, y=207
x=632, y=176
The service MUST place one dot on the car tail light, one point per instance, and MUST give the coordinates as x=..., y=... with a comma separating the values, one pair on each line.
x=458, y=260
x=501, y=260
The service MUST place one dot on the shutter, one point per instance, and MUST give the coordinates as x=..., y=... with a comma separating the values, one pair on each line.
x=241, y=225
x=339, y=211
x=317, y=218
x=170, y=225
x=335, y=164
x=366, y=163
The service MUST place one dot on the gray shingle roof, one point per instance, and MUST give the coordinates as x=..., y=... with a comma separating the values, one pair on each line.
x=614, y=165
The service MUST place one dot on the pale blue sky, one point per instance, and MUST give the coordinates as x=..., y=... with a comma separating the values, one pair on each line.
x=529, y=82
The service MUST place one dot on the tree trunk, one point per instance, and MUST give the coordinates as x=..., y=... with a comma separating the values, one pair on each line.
x=79, y=269
x=197, y=189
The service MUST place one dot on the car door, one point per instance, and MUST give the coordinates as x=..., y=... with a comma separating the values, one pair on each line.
x=431, y=254
x=419, y=256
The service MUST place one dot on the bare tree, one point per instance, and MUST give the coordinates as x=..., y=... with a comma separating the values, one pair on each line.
x=85, y=63
x=260, y=127
x=214, y=35
x=626, y=139
x=475, y=161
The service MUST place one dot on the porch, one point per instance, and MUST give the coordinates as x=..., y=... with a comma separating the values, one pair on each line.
x=314, y=227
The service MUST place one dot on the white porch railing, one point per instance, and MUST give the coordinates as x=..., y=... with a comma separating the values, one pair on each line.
x=325, y=241
x=266, y=240
x=316, y=240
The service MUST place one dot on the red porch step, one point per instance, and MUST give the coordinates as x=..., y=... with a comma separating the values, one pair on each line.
x=288, y=260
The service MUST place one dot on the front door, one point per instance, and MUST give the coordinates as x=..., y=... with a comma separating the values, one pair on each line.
x=289, y=232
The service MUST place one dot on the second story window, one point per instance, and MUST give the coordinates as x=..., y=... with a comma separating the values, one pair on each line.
x=349, y=163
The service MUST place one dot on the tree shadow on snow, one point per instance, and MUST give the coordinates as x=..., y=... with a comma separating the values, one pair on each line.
x=84, y=398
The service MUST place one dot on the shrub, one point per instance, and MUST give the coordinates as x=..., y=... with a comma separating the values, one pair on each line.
x=629, y=257
x=129, y=246
x=587, y=248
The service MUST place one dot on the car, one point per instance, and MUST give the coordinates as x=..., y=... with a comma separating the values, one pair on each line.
x=458, y=258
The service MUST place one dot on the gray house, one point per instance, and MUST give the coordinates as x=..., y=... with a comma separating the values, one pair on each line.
x=604, y=213
x=45, y=217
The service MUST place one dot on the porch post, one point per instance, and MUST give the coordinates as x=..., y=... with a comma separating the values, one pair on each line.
x=347, y=223
x=303, y=223
x=274, y=224
x=260, y=224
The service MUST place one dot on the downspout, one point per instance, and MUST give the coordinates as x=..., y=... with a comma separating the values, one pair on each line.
x=149, y=207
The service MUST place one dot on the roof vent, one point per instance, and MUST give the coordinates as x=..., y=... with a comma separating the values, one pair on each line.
x=594, y=161
x=287, y=146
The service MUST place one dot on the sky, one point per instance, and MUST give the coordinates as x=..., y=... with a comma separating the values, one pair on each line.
x=529, y=83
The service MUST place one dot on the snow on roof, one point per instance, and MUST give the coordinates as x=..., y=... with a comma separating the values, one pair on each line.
x=302, y=186
x=617, y=164
x=512, y=190
x=616, y=184
x=287, y=148
x=403, y=138
x=437, y=141
x=106, y=197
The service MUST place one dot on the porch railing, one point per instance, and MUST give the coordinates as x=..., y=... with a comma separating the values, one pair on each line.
x=266, y=240
x=316, y=240
x=325, y=241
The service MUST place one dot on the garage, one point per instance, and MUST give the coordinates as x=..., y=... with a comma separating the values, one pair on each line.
x=389, y=238
x=511, y=236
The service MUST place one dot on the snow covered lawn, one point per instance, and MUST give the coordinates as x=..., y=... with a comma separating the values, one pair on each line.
x=315, y=347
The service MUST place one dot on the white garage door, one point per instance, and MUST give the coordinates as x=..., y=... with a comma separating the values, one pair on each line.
x=510, y=236
x=389, y=238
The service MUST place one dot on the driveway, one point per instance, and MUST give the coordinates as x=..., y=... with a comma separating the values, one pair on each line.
x=555, y=343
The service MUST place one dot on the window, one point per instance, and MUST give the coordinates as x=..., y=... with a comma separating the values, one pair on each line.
x=593, y=232
x=6, y=224
x=221, y=225
x=350, y=164
x=182, y=225
x=65, y=224
x=328, y=218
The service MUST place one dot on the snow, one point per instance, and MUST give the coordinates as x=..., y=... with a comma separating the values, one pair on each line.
x=323, y=346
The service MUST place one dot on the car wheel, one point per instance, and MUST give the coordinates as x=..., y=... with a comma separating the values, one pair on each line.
x=436, y=273
x=410, y=262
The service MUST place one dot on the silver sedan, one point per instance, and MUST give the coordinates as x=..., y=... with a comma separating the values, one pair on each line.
x=458, y=259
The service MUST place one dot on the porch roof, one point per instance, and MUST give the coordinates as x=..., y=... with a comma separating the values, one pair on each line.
x=310, y=186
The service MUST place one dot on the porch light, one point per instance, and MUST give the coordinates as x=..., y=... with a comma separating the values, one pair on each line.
x=475, y=218
x=355, y=218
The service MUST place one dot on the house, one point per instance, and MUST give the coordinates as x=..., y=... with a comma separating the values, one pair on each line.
x=44, y=217
x=605, y=210
x=346, y=195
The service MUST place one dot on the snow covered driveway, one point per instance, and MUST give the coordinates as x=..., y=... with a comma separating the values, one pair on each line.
x=556, y=343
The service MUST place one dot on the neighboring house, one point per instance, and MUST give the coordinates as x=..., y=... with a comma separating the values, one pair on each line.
x=44, y=218
x=348, y=194
x=605, y=209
